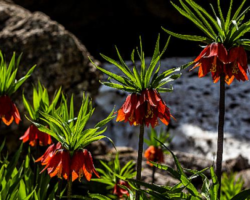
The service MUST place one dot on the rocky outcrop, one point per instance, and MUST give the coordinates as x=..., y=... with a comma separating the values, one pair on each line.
x=60, y=58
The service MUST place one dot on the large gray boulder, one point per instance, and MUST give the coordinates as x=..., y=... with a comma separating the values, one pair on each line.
x=61, y=59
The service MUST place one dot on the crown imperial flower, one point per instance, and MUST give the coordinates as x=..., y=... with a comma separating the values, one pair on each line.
x=58, y=162
x=120, y=192
x=154, y=154
x=216, y=59
x=8, y=111
x=224, y=55
x=144, y=105
x=69, y=159
x=32, y=134
x=144, y=108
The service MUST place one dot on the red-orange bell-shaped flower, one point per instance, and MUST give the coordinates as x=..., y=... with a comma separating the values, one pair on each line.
x=58, y=162
x=216, y=59
x=82, y=165
x=154, y=154
x=32, y=134
x=120, y=192
x=8, y=111
x=212, y=59
x=127, y=111
x=144, y=108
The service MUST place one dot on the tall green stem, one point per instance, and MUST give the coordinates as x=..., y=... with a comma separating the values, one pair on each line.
x=154, y=170
x=220, y=131
x=139, y=159
x=153, y=174
x=69, y=189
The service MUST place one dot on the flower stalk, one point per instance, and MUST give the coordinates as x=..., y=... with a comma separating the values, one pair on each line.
x=139, y=159
x=153, y=174
x=69, y=188
x=144, y=105
x=220, y=132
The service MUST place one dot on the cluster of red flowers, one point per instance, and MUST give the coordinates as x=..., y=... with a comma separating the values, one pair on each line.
x=59, y=162
x=8, y=111
x=120, y=192
x=154, y=154
x=33, y=134
x=216, y=59
x=144, y=108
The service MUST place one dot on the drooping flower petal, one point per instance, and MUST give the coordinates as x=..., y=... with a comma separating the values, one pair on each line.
x=204, y=52
x=45, y=158
x=242, y=56
x=77, y=165
x=66, y=165
x=237, y=66
x=16, y=114
x=88, y=167
x=127, y=105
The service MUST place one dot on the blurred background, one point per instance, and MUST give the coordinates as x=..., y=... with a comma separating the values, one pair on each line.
x=102, y=24
x=59, y=36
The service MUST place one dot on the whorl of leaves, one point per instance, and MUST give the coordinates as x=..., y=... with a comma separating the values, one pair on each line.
x=140, y=77
x=228, y=29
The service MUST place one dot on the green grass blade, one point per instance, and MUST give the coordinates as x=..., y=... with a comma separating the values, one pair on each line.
x=186, y=37
x=220, y=13
x=119, y=87
x=215, y=24
x=236, y=14
x=124, y=70
x=228, y=19
x=205, y=22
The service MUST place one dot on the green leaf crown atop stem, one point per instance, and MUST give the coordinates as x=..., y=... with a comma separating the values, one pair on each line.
x=8, y=82
x=70, y=130
x=138, y=79
x=41, y=102
x=228, y=29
